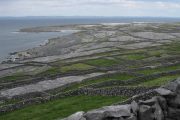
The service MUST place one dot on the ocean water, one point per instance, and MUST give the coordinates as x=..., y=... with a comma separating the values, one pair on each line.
x=12, y=41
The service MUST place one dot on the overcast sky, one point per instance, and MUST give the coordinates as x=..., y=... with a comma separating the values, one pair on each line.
x=163, y=8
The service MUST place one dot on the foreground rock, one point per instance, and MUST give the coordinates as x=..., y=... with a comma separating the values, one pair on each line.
x=166, y=106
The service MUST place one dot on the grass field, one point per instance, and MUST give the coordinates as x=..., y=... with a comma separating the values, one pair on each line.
x=102, y=62
x=14, y=77
x=66, y=68
x=134, y=56
x=61, y=108
x=78, y=66
x=159, y=81
x=129, y=59
x=160, y=69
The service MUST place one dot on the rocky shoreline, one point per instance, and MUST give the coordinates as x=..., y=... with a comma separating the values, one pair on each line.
x=85, y=37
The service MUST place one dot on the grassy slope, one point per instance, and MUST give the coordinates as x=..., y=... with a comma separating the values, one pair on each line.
x=66, y=106
x=161, y=69
x=159, y=81
x=61, y=108
x=67, y=68
x=78, y=66
x=134, y=56
x=99, y=80
x=14, y=77
x=101, y=62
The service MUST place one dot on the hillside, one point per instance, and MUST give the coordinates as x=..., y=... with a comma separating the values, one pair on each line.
x=97, y=65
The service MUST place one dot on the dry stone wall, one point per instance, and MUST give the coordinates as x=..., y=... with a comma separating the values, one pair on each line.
x=165, y=106
x=39, y=97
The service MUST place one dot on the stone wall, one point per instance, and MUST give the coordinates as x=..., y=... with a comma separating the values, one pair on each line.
x=39, y=97
x=165, y=106
x=133, y=80
x=115, y=91
x=41, y=78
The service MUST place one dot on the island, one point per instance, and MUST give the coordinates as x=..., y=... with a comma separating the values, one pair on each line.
x=97, y=65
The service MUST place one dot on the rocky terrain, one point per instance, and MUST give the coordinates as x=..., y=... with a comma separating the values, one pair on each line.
x=162, y=107
x=97, y=65
x=92, y=39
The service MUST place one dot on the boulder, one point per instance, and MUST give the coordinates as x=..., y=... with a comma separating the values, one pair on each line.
x=164, y=92
x=134, y=107
x=152, y=104
x=132, y=117
x=146, y=112
x=163, y=104
x=175, y=102
x=76, y=116
x=158, y=113
x=111, y=118
x=94, y=115
x=149, y=102
x=119, y=111
x=169, y=119
x=173, y=86
x=174, y=113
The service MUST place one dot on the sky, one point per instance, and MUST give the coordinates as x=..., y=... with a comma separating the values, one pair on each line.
x=153, y=8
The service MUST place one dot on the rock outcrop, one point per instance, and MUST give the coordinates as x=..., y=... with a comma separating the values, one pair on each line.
x=166, y=106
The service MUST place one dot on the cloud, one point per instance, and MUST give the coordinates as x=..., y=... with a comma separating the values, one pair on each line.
x=89, y=7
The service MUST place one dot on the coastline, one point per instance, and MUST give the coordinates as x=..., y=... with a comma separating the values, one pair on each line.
x=16, y=23
x=72, y=43
x=35, y=44
x=99, y=60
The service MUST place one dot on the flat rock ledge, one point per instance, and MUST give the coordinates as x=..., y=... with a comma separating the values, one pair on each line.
x=165, y=106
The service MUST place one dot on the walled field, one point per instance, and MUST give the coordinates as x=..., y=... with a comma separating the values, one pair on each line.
x=103, y=65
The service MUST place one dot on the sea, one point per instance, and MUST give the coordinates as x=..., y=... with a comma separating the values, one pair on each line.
x=13, y=41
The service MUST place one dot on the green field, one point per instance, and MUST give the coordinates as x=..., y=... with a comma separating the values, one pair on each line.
x=160, y=69
x=66, y=68
x=14, y=77
x=159, y=81
x=61, y=108
x=102, y=62
x=120, y=68
x=76, y=67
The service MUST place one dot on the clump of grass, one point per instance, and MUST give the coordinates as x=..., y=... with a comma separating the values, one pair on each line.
x=160, y=69
x=159, y=81
x=102, y=62
x=14, y=77
x=61, y=108
x=134, y=56
x=11, y=101
x=116, y=76
x=51, y=71
x=78, y=66
x=157, y=53
x=67, y=68
x=173, y=48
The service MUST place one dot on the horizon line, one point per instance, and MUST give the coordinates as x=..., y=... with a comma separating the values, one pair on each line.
x=92, y=16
